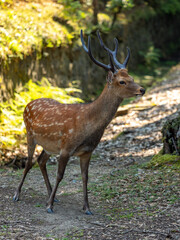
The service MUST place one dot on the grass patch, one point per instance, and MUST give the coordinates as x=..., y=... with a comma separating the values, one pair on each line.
x=134, y=191
x=74, y=234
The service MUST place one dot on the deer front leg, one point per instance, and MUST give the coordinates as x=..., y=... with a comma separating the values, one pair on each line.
x=31, y=148
x=62, y=162
x=84, y=163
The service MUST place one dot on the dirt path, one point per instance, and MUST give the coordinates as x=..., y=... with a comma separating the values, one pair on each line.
x=141, y=138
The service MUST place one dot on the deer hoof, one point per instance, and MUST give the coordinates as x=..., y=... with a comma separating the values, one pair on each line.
x=88, y=212
x=56, y=200
x=49, y=210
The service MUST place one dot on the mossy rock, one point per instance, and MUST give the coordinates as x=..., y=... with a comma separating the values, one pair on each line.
x=171, y=136
x=165, y=161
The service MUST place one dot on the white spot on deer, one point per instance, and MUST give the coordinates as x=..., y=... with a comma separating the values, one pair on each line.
x=27, y=109
x=34, y=107
x=30, y=104
x=71, y=130
x=40, y=108
x=57, y=123
x=59, y=142
x=55, y=133
x=58, y=112
x=78, y=117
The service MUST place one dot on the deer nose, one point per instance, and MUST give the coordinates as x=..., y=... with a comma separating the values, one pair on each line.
x=142, y=90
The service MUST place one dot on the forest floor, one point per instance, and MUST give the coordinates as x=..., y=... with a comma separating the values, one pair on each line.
x=129, y=201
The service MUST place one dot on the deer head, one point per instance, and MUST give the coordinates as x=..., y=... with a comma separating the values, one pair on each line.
x=118, y=78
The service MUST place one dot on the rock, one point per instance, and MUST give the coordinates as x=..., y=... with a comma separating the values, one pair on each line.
x=171, y=136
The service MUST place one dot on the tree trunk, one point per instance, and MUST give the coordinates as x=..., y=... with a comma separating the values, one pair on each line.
x=115, y=16
x=95, y=10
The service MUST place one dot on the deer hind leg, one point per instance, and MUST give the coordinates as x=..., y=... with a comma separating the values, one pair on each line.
x=31, y=148
x=62, y=162
x=84, y=163
x=42, y=160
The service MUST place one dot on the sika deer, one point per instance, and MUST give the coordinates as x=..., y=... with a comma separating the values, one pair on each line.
x=75, y=129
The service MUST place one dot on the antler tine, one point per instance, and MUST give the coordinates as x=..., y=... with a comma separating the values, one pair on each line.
x=118, y=64
x=106, y=48
x=88, y=50
x=127, y=58
x=113, y=68
x=107, y=67
x=102, y=44
x=114, y=53
x=82, y=41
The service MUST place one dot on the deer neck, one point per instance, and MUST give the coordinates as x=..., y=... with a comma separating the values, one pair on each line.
x=103, y=109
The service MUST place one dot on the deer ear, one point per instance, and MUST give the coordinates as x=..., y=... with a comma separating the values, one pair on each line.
x=110, y=77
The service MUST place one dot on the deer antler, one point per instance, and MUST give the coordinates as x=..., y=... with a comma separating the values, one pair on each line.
x=109, y=67
x=114, y=53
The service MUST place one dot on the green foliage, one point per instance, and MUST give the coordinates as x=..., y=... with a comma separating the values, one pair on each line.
x=114, y=5
x=6, y=3
x=151, y=56
x=104, y=21
x=127, y=192
x=165, y=6
x=72, y=16
x=26, y=27
x=12, y=130
x=72, y=8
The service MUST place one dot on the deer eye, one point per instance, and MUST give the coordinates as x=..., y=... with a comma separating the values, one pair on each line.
x=122, y=82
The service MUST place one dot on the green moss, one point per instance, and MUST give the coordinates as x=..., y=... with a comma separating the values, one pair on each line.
x=30, y=26
x=166, y=160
